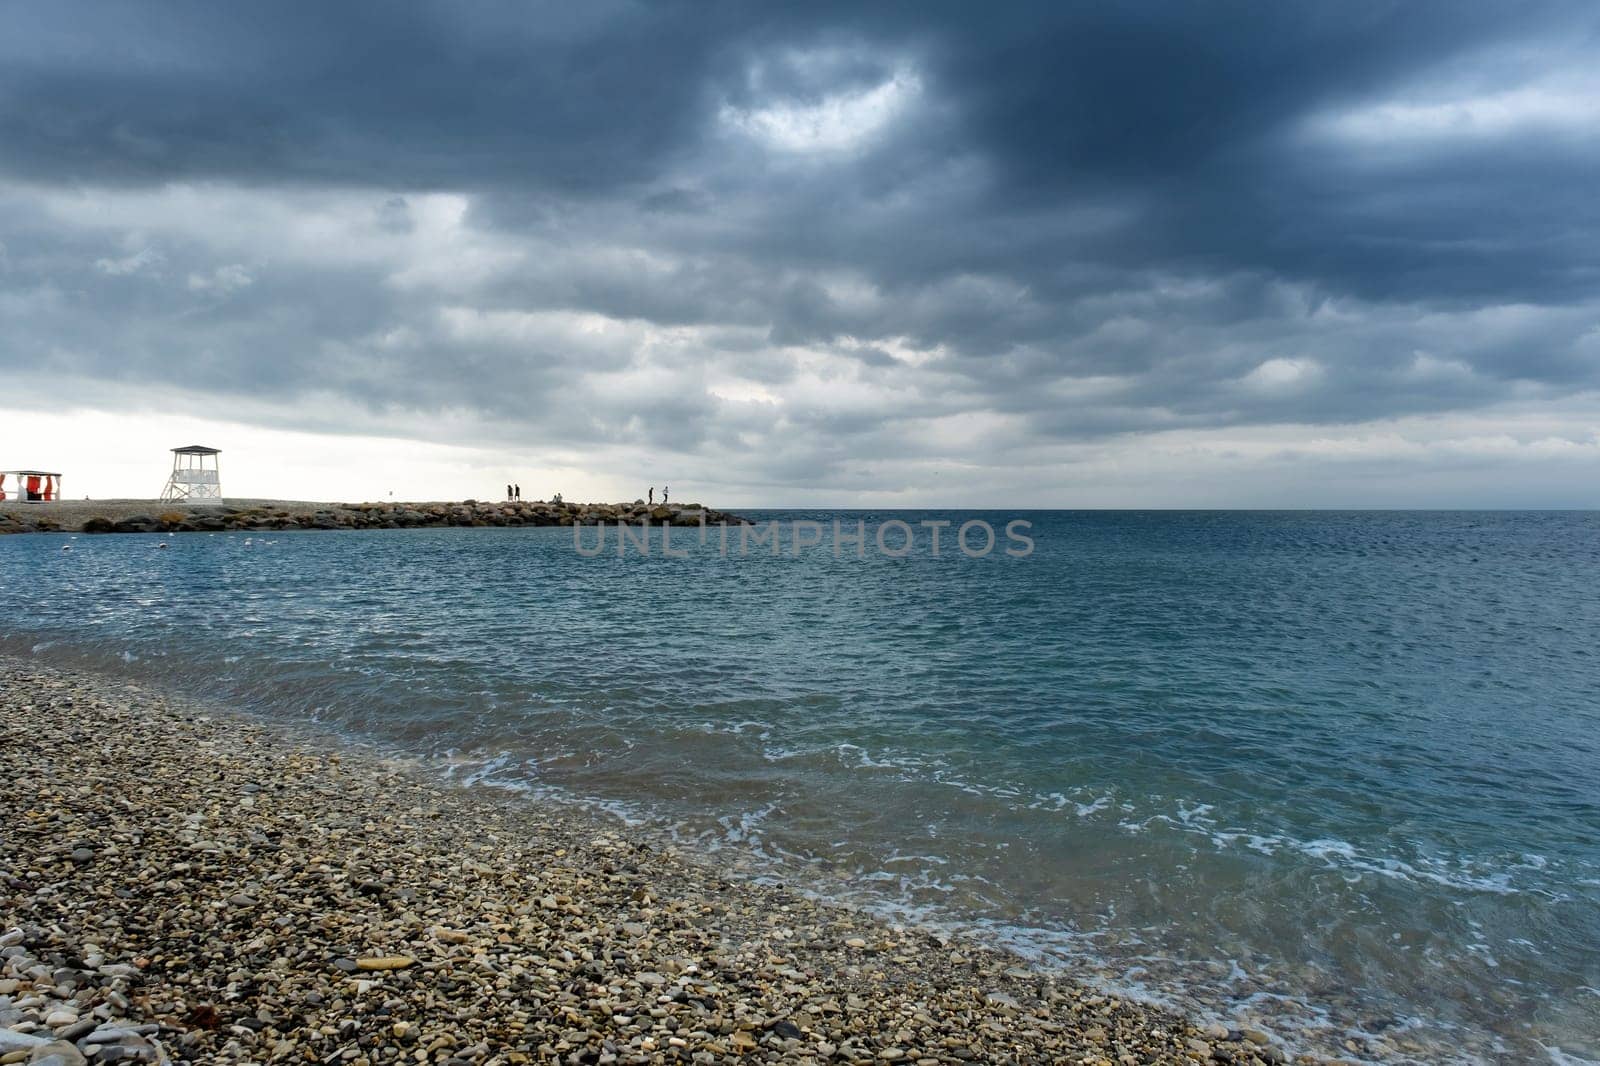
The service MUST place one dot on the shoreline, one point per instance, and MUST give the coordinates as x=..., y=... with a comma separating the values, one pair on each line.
x=265, y=892
x=247, y=515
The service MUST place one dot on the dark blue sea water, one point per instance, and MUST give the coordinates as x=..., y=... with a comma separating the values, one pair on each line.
x=1333, y=774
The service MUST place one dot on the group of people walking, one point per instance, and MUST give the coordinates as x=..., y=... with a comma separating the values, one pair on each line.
x=514, y=492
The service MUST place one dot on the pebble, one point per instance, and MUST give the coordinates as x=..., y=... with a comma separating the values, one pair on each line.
x=386, y=962
x=81, y=1028
x=56, y=1053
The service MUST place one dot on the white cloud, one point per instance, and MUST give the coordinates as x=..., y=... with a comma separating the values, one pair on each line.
x=1284, y=375
x=136, y=263
x=838, y=122
x=1568, y=108
x=1430, y=369
x=223, y=280
x=324, y=227
x=594, y=341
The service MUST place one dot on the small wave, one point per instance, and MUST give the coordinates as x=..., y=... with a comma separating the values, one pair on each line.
x=744, y=826
x=1464, y=873
x=1057, y=801
x=763, y=730
x=503, y=771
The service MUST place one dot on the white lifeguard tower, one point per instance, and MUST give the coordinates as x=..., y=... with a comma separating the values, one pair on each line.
x=195, y=477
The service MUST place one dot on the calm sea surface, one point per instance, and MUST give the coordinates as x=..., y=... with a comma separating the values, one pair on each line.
x=1334, y=773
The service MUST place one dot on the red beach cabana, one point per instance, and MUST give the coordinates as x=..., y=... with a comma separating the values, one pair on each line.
x=31, y=486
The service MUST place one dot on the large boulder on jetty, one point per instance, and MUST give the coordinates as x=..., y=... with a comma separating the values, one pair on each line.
x=98, y=524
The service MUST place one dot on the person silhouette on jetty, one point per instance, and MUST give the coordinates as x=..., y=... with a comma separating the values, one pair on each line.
x=517, y=493
x=508, y=492
x=652, y=496
x=663, y=495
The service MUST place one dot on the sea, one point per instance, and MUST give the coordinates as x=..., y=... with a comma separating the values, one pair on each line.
x=1333, y=775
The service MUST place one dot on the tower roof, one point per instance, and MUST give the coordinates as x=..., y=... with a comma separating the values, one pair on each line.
x=197, y=449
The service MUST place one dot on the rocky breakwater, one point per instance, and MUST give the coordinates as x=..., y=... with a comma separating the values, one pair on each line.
x=354, y=516
x=181, y=885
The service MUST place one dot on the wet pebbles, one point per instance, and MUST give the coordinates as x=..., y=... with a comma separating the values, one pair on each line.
x=186, y=885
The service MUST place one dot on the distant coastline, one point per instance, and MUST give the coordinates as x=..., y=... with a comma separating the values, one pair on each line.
x=157, y=516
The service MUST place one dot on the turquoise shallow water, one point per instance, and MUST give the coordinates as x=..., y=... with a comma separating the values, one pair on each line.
x=1337, y=773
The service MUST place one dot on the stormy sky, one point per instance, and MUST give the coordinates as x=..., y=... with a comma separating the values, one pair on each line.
x=1207, y=254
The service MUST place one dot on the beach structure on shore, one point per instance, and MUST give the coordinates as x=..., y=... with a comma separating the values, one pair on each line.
x=192, y=479
x=33, y=486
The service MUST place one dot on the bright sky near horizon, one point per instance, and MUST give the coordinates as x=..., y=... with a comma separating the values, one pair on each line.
x=1498, y=461
x=1056, y=255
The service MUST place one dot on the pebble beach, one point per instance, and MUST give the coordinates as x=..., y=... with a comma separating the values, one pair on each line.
x=183, y=883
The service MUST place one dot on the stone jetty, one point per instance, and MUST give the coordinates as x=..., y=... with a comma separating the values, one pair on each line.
x=182, y=884
x=143, y=516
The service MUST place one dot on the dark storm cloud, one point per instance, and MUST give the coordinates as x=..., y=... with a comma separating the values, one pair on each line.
x=414, y=96
x=1094, y=219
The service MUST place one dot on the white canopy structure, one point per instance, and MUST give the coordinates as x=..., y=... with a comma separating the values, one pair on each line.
x=33, y=486
x=195, y=476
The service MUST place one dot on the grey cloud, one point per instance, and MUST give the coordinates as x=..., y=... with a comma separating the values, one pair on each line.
x=1090, y=220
